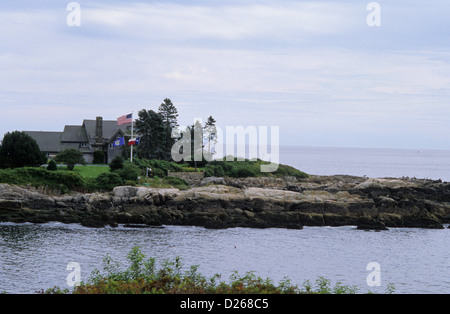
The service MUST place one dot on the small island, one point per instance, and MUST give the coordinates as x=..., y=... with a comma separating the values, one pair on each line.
x=149, y=189
x=227, y=202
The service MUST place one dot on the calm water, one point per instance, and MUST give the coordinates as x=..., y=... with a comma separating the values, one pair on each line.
x=422, y=164
x=34, y=257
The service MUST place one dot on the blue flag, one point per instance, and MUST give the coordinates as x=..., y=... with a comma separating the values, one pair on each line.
x=119, y=142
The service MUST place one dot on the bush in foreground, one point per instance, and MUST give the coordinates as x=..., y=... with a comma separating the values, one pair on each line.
x=18, y=149
x=142, y=277
x=65, y=181
x=70, y=157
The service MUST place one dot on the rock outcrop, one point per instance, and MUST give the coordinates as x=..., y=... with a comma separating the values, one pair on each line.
x=375, y=204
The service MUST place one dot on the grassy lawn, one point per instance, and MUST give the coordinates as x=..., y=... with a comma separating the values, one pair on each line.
x=87, y=171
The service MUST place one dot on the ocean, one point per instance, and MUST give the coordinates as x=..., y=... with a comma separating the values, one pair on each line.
x=370, y=162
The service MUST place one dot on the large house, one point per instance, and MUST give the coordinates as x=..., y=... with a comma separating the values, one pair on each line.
x=91, y=136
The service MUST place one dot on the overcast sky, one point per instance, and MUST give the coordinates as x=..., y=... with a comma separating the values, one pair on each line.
x=313, y=68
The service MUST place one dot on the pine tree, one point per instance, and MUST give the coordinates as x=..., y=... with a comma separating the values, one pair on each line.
x=169, y=115
x=150, y=126
x=210, y=132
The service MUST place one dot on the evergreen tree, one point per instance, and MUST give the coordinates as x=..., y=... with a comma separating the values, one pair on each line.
x=52, y=166
x=210, y=133
x=70, y=157
x=150, y=126
x=20, y=150
x=169, y=115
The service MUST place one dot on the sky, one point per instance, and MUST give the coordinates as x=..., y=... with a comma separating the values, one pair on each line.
x=315, y=69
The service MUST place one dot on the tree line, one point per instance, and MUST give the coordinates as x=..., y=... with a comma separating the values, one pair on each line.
x=160, y=130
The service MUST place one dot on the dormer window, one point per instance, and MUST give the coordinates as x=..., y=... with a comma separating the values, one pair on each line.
x=83, y=144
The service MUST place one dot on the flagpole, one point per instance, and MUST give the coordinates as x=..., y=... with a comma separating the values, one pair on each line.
x=132, y=136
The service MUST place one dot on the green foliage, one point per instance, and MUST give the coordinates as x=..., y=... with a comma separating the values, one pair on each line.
x=166, y=182
x=150, y=126
x=143, y=277
x=165, y=166
x=156, y=172
x=52, y=165
x=108, y=181
x=285, y=170
x=99, y=157
x=129, y=172
x=239, y=169
x=116, y=163
x=63, y=180
x=176, y=182
x=169, y=114
x=70, y=157
x=18, y=149
x=158, y=168
x=210, y=134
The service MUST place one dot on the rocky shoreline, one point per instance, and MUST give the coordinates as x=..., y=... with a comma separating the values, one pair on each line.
x=370, y=204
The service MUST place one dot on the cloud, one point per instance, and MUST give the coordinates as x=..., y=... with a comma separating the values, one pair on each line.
x=310, y=67
x=225, y=22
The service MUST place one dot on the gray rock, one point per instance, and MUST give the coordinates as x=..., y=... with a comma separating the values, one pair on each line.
x=212, y=180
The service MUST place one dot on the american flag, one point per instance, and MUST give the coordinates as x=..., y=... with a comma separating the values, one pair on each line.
x=125, y=119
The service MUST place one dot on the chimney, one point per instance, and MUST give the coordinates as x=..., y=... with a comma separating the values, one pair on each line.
x=99, y=129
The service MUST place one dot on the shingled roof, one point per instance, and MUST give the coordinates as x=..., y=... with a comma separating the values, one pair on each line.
x=48, y=141
x=74, y=134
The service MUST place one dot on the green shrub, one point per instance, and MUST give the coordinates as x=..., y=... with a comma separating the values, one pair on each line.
x=108, y=181
x=12, y=177
x=164, y=165
x=40, y=177
x=209, y=172
x=243, y=172
x=142, y=276
x=90, y=184
x=176, y=182
x=129, y=172
x=116, y=163
x=52, y=165
x=157, y=173
x=284, y=170
x=215, y=170
x=19, y=149
x=246, y=168
x=70, y=157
